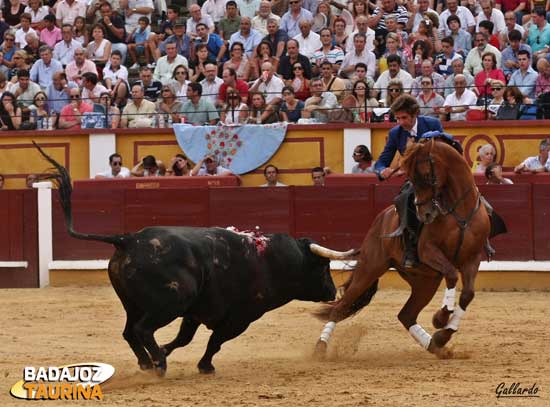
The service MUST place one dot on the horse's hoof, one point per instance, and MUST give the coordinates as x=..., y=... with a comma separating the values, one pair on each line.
x=320, y=351
x=441, y=318
x=206, y=368
x=441, y=337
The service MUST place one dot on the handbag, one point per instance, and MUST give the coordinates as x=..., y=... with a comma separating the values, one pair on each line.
x=508, y=112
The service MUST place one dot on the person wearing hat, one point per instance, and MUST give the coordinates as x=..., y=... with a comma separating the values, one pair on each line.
x=179, y=37
x=210, y=166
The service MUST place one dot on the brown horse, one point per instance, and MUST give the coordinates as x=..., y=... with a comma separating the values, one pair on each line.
x=456, y=228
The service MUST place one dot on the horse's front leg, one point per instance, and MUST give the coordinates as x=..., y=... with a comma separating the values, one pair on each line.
x=436, y=259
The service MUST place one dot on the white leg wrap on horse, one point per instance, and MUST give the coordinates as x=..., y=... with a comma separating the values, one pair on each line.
x=449, y=299
x=420, y=335
x=454, y=322
x=327, y=331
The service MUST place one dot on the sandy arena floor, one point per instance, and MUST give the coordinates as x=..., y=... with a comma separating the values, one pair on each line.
x=504, y=337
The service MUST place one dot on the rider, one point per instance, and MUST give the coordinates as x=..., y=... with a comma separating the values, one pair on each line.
x=411, y=128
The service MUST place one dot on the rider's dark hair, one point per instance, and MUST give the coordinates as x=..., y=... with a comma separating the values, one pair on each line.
x=407, y=104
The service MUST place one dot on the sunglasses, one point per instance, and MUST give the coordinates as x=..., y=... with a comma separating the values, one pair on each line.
x=116, y=163
x=166, y=90
x=297, y=67
x=495, y=89
x=75, y=96
x=394, y=90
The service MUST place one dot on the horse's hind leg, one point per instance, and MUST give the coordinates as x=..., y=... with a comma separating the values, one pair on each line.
x=423, y=289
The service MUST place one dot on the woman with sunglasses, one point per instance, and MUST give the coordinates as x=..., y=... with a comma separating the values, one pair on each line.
x=8, y=47
x=168, y=105
x=10, y=114
x=291, y=108
x=111, y=111
x=364, y=103
x=395, y=89
x=238, y=61
x=197, y=66
x=300, y=83
x=39, y=111
x=234, y=110
x=497, y=89
x=264, y=53
x=363, y=159
x=180, y=166
x=19, y=60
x=180, y=77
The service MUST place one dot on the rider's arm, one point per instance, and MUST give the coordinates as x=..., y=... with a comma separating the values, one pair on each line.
x=387, y=155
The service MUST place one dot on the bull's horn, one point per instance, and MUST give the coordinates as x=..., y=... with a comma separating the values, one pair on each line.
x=331, y=254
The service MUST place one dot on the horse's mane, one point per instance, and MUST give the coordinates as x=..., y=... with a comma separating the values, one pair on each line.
x=408, y=163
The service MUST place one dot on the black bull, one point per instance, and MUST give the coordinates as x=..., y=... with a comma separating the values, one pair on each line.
x=209, y=276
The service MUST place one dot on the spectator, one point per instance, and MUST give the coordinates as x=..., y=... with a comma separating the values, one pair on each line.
x=363, y=158
x=39, y=111
x=362, y=28
x=116, y=170
x=42, y=70
x=166, y=28
x=327, y=52
x=10, y=114
x=512, y=105
x=474, y=63
x=112, y=113
x=393, y=48
x=428, y=100
x=5, y=86
x=318, y=176
x=79, y=66
x=149, y=166
x=248, y=8
x=308, y=41
x=91, y=88
x=115, y=77
x=234, y=111
x=465, y=16
x=260, y=112
x=515, y=6
x=486, y=156
x=215, y=9
x=269, y=84
x=238, y=61
x=285, y=69
x=359, y=54
x=492, y=14
x=542, y=85
x=443, y=60
x=525, y=77
x=484, y=77
x=271, y=174
x=183, y=41
x=24, y=90
x=134, y=10
x=99, y=49
x=320, y=102
x=427, y=69
x=24, y=28
x=510, y=54
x=31, y=179
x=197, y=66
x=291, y=108
x=377, y=21
x=71, y=115
x=211, y=83
x=198, y=110
x=340, y=37
x=113, y=26
x=458, y=69
x=300, y=84
x=291, y=19
x=139, y=111
x=248, y=37
x=68, y=10
x=263, y=53
x=487, y=27
x=196, y=18
x=493, y=173
x=259, y=22
x=19, y=59
x=151, y=87
x=497, y=88
x=214, y=44
x=510, y=25
x=363, y=102
x=395, y=89
x=423, y=7
x=12, y=11
x=169, y=105
x=140, y=42
x=462, y=38
x=538, y=163
x=229, y=77
x=80, y=31
x=64, y=50
x=332, y=83
x=37, y=12
x=58, y=92
x=276, y=37
x=209, y=166
x=50, y=34
x=229, y=24
x=8, y=48
x=422, y=52
x=166, y=64
x=32, y=48
x=458, y=102
x=394, y=72
x=538, y=37
x=180, y=166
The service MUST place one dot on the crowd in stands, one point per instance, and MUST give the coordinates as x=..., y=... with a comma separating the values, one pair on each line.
x=127, y=63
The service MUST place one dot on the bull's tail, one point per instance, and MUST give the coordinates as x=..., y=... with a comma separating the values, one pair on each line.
x=324, y=313
x=61, y=178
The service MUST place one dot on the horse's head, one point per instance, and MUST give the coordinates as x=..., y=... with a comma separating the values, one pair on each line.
x=424, y=168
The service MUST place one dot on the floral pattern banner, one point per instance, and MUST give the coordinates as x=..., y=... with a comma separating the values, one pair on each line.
x=240, y=148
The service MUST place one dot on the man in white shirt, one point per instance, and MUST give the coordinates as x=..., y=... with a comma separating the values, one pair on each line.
x=491, y=14
x=23, y=30
x=362, y=28
x=308, y=40
x=269, y=84
x=359, y=54
x=91, y=88
x=248, y=8
x=458, y=102
x=538, y=163
x=214, y=9
x=259, y=22
x=291, y=19
x=466, y=17
x=211, y=83
x=394, y=71
x=510, y=25
x=116, y=170
x=166, y=64
x=320, y=102
x=64, y=50
x=271, y=173
x=67, y=10
x=473, y=63
x=196, y=18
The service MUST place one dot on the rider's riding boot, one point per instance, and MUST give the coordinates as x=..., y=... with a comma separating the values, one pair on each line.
x=410, y=255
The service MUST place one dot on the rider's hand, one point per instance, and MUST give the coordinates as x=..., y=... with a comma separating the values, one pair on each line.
x=386, y=173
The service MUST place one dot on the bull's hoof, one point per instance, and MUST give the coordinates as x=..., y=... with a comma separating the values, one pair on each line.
x=206, y=368
x=160, y=368
x=165, y=351
x=441, y=337
x=320, y=351
x=145, y=364
x=441, y=318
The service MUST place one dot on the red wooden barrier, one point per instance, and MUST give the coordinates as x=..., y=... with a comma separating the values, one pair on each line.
x=541, y=221
x=19, y=238
x=157, y=183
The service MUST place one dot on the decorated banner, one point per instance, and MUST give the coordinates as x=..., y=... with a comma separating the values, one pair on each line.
x=239, y=148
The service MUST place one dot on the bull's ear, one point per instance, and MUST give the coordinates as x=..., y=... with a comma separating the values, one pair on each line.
x=304, y=243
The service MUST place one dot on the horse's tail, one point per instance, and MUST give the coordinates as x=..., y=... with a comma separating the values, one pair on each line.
x=63, y=181
x=324, y=312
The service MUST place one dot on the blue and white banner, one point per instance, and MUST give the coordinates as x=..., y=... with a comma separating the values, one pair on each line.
x=240, y=148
